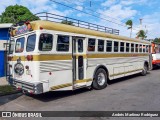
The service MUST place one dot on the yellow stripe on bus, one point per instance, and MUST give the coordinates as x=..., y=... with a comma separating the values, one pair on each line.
x=69, y=57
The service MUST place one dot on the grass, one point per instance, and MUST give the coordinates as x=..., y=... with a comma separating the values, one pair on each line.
x=6, y=90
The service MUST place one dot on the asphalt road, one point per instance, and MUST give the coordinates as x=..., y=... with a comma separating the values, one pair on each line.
x=133, y=93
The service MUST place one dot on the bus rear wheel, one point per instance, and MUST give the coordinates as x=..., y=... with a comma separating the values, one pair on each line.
x=144, y=71
x=100, y=79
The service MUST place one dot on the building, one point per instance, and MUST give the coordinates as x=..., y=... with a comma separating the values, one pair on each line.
x=4, y=36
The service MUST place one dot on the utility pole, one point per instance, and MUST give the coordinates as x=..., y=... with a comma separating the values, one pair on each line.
x=90, y=3
x=140, y=23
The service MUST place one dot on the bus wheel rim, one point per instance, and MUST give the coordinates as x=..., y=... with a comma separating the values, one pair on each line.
x=101, y=79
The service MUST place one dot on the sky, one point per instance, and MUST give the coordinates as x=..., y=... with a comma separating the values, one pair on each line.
x=109, y=13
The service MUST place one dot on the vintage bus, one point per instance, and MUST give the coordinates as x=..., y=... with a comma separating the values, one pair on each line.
x=155, y=54
x=48, y=56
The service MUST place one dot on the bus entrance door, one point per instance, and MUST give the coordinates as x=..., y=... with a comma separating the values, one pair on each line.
x=79, y=62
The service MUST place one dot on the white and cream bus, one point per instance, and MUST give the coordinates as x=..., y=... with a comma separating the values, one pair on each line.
x=48, y=56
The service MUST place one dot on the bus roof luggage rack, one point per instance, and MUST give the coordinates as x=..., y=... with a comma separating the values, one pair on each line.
x=58, y=18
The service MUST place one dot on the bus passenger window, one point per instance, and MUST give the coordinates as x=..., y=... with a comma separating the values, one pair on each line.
x=140, y=48
x=116, y=46
x=121, y=46
x=144, y=48
x=63, y=43
x=31, y=43
x=20, y=45
x=80, y=45
x=127, y=47
x=91, y=44
x=147, y=49
x=100, y=45
x=109, y=46
x=137, y=48
x=132, y=47
x=45, y=42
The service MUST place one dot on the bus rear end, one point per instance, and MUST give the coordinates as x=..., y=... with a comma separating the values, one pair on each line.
x=23, y=65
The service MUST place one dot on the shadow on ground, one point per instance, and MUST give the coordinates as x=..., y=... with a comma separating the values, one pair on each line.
x=9, y=98
x=54, y=95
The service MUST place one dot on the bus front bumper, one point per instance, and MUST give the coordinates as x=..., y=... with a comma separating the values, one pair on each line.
x=32, y=88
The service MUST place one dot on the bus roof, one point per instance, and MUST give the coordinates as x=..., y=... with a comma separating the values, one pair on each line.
x=37, y=25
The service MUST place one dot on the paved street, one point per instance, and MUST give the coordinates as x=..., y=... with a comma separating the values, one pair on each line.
x=134, y=93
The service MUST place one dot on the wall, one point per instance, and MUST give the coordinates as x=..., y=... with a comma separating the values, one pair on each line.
x=4, y=36
x=2, y=62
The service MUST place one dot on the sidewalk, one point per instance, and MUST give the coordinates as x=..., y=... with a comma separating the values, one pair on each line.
x=3, y=81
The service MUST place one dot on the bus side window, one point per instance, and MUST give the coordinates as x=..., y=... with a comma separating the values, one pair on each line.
x=147, y=49
x=45, y=42
x=127, y=47
x=132, y=47
x=140, y=48
x=137, y=48
x=121, y=46
x=91, y=44
x=100, y=45
x=116, y=45
x=144, y=48
x=80, y=45
x=63, y=43
x=108, y=46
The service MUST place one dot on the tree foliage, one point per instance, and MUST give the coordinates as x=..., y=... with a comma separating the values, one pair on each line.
x=17, y=13
x=67, y=22
x=129, y=23
x=157, y=40
x=141, y=34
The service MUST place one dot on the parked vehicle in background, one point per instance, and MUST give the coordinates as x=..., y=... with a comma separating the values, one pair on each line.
x=49, y=56
x=155, y=54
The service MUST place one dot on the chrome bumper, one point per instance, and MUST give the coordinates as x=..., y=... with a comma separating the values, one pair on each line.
x=33, y=88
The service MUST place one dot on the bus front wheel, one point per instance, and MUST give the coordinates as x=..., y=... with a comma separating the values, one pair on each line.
x=100, y=79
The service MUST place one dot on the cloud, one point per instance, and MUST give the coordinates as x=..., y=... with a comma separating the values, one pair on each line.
x=108, y=3
x=118, y=12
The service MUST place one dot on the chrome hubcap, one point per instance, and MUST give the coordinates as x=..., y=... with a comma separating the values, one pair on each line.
x=101, y=79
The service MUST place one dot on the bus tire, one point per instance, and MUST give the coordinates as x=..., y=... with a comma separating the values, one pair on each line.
x=144, y=71
x=100, y=79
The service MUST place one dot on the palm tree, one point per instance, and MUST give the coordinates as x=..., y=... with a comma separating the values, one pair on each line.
x=129, y=23
x=141, y=34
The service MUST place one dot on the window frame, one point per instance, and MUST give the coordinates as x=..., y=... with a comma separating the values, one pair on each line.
x=128, y=47
x=122, y=46
x=57, y=43
x=52, y=43
x=27, y=42
x=109, y=46
x=100, y=45
x=114, y=46
x=92, y=45
x=132, y=47
x=16, y=44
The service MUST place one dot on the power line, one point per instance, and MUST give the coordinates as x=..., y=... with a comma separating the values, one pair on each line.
x=86, y=12
x=92, y=14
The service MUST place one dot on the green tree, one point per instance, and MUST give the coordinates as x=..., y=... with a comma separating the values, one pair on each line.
x=17, y=13
x=141, y=34
x=67, y=22
x=129, y=23
x=156, y=40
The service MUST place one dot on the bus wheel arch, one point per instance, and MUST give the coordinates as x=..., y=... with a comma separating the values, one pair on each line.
x=100, y=77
